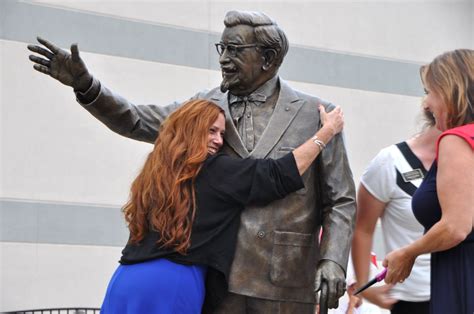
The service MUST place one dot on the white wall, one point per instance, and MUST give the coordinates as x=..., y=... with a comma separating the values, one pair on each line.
x=415, y=30
x=53, y=151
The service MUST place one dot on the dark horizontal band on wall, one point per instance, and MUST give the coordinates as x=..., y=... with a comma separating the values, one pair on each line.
x=75, y=224
x=57, y=223
x=23, y=21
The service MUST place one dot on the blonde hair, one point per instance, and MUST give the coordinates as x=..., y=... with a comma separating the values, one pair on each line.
x=451, y=75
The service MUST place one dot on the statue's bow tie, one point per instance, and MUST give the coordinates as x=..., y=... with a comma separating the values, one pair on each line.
x=255, y=97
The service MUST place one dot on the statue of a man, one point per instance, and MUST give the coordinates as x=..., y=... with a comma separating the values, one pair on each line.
x=279, y=262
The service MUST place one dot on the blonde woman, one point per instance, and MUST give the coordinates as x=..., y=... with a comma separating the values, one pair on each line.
x=444, y=203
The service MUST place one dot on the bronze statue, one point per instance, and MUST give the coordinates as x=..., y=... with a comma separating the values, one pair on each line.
x=278, y=261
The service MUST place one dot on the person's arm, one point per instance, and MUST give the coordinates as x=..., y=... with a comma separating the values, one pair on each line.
x=305, y=154
x=454, y=185
x=260, y=181
x=337, y=192
x=369, y=209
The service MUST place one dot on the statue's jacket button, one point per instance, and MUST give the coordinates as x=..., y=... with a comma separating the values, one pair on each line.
x=261, y=234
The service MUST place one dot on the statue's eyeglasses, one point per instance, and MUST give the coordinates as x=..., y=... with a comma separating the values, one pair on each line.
x=232, y=49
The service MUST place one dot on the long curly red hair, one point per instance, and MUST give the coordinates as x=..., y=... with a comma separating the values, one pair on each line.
x=162, y=197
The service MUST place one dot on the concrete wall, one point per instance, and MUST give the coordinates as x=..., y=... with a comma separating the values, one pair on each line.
x=64, y=175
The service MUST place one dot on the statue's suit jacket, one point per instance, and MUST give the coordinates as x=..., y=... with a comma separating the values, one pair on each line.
x=278, y=249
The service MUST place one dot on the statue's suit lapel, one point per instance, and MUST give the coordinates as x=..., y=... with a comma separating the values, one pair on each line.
x=286, y=108
x=285, y=111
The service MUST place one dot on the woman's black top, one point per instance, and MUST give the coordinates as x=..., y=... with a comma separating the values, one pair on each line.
x=224, y=186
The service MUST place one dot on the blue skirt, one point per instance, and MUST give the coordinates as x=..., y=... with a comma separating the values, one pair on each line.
x=157, y=286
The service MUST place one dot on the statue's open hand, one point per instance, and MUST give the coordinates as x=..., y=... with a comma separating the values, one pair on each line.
x=68, y=68
x=333, y=274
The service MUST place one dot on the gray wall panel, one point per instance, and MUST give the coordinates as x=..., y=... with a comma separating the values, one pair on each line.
x=107, y=35
x=59, y=223
x=166, y=44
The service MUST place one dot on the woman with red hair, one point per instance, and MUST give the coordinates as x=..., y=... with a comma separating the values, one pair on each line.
x=184, y=211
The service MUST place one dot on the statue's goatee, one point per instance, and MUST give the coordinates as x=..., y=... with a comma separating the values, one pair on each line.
x=224, y=85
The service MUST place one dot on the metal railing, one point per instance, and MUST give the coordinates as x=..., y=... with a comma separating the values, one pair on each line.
x=65, y=310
